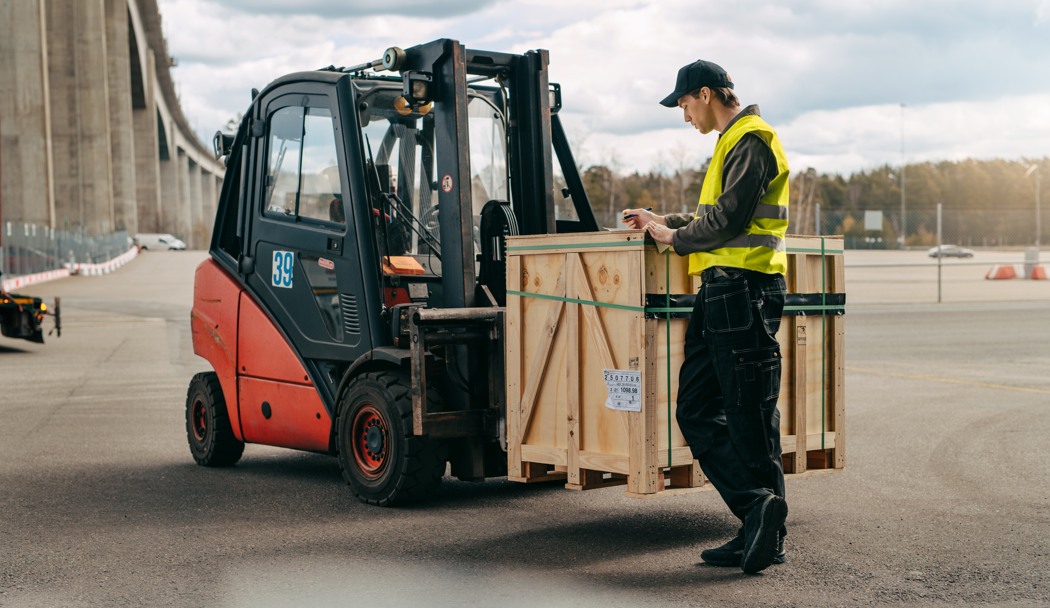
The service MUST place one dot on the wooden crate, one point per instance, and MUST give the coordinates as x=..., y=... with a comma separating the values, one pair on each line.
x=582, y=303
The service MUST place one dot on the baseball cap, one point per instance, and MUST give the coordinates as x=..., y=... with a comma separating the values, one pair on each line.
x=693, y=77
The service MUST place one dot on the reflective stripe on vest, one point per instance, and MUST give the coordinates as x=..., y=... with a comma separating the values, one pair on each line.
x=761, y=246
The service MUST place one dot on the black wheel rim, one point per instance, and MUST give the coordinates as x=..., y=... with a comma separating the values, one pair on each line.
x=199, y=420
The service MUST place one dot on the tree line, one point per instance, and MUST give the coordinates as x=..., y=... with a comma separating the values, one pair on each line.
x=984, y=197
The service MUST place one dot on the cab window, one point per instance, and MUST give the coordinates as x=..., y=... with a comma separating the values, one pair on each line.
x=302, y=180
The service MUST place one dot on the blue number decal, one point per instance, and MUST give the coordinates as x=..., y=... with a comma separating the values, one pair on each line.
x=283, y=263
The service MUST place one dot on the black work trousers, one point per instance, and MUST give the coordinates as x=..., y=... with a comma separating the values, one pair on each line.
x=729, y=385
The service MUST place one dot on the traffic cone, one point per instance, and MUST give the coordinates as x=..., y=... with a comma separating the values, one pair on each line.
x=1000, y=272
x=1038, y=273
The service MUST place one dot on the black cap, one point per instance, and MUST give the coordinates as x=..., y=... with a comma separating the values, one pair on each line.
x=695, y=76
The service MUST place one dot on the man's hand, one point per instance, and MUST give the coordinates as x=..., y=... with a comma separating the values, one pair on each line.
x=638, y=218
x=660, y=233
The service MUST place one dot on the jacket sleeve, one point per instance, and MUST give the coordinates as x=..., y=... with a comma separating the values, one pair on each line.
x=748, y=169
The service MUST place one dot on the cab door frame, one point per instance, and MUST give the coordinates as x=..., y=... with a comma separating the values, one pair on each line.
x=294, y=309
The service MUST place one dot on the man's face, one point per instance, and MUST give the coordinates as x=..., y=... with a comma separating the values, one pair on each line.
x=697, y=111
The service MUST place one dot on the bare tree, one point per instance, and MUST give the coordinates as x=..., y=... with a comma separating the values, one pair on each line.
x=684, y=164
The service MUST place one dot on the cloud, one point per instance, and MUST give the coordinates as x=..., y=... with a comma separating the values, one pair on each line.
x=339, y=9
x=829, y=74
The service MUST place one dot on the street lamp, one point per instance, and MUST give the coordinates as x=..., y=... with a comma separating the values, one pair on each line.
x=1038, y=223
x=904, y=218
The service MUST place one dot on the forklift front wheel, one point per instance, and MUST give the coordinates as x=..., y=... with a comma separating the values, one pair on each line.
x=208, y=429
x=384, y=463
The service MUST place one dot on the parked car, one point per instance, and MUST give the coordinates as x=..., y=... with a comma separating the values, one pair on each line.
x=160, y=242
x=950, y=251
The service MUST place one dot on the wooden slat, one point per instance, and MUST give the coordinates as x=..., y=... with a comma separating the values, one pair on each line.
x=593, y=480
x=645, y=474
x=611, y=463
x=687, y=476
x=789, y=443
x=514, y=345
x=572, y=371
x=799, y=390
x=650, y=403
x=836, y=355
x=532, y=453
x=679, y=455
x=540, y=360
x=615, y=240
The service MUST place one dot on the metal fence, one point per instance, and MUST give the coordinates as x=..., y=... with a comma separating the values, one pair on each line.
x=30, y=248
x=991, y=228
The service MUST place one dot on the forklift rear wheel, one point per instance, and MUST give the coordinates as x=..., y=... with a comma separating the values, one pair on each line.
x=384, y=463
x=208, y=429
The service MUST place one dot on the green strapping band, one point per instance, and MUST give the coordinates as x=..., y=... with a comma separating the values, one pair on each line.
x=821, y=251
x=658, y=309
x=543, y=296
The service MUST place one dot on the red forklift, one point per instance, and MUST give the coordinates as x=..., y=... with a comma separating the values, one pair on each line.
x=351, y=304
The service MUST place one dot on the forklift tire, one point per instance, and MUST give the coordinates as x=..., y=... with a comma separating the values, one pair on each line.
x=384, y=463
x=208, y=430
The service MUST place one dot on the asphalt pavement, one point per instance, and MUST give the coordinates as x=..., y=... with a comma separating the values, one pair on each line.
x=945, y=499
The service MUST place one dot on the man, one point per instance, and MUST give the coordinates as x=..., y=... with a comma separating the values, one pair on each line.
x=730, y=377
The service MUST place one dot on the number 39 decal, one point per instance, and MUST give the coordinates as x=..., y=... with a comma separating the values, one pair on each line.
x=283, y=263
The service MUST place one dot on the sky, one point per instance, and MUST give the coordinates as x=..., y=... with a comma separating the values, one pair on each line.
x=849, y=85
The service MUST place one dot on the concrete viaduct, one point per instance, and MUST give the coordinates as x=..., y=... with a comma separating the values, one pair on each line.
x=93, y=139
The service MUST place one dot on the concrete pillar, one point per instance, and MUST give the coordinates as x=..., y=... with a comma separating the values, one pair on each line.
x=208, y=194
x=183, y=211
x=147, y=155
x=78, y=80
x=26, y=187
x=169, y=193
x=122, y=136
x=198, y=229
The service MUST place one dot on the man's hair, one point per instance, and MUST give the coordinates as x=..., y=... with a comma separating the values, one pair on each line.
x=724, y=95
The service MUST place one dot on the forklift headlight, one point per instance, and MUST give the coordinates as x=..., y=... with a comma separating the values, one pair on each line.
x=419, y=89
x=43, y=307
x=416, y=88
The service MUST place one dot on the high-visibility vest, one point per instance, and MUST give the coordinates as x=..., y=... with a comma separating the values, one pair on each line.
x=761, y=246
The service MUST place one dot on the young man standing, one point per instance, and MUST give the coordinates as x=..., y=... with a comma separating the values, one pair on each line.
x=730, y=377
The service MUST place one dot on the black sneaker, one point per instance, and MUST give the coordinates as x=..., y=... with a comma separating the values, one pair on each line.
x=730, y=554
x=762, y=534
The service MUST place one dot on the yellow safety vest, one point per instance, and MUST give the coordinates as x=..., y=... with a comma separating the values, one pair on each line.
x=761, y=246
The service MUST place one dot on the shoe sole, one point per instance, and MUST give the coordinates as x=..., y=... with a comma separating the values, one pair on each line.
x=763, y=551
x=734, y=562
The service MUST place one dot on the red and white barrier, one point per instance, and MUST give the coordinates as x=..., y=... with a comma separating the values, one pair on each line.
x=32, y=279
x=1000, y=272
x=104, y=267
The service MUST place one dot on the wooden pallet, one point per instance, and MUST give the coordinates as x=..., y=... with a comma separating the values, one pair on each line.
x=576, y=306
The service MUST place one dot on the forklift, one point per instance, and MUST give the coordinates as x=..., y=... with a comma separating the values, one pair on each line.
x=352, y=301
x=22, y=317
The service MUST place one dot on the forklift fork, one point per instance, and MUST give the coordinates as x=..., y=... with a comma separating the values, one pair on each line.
x=452, y=327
